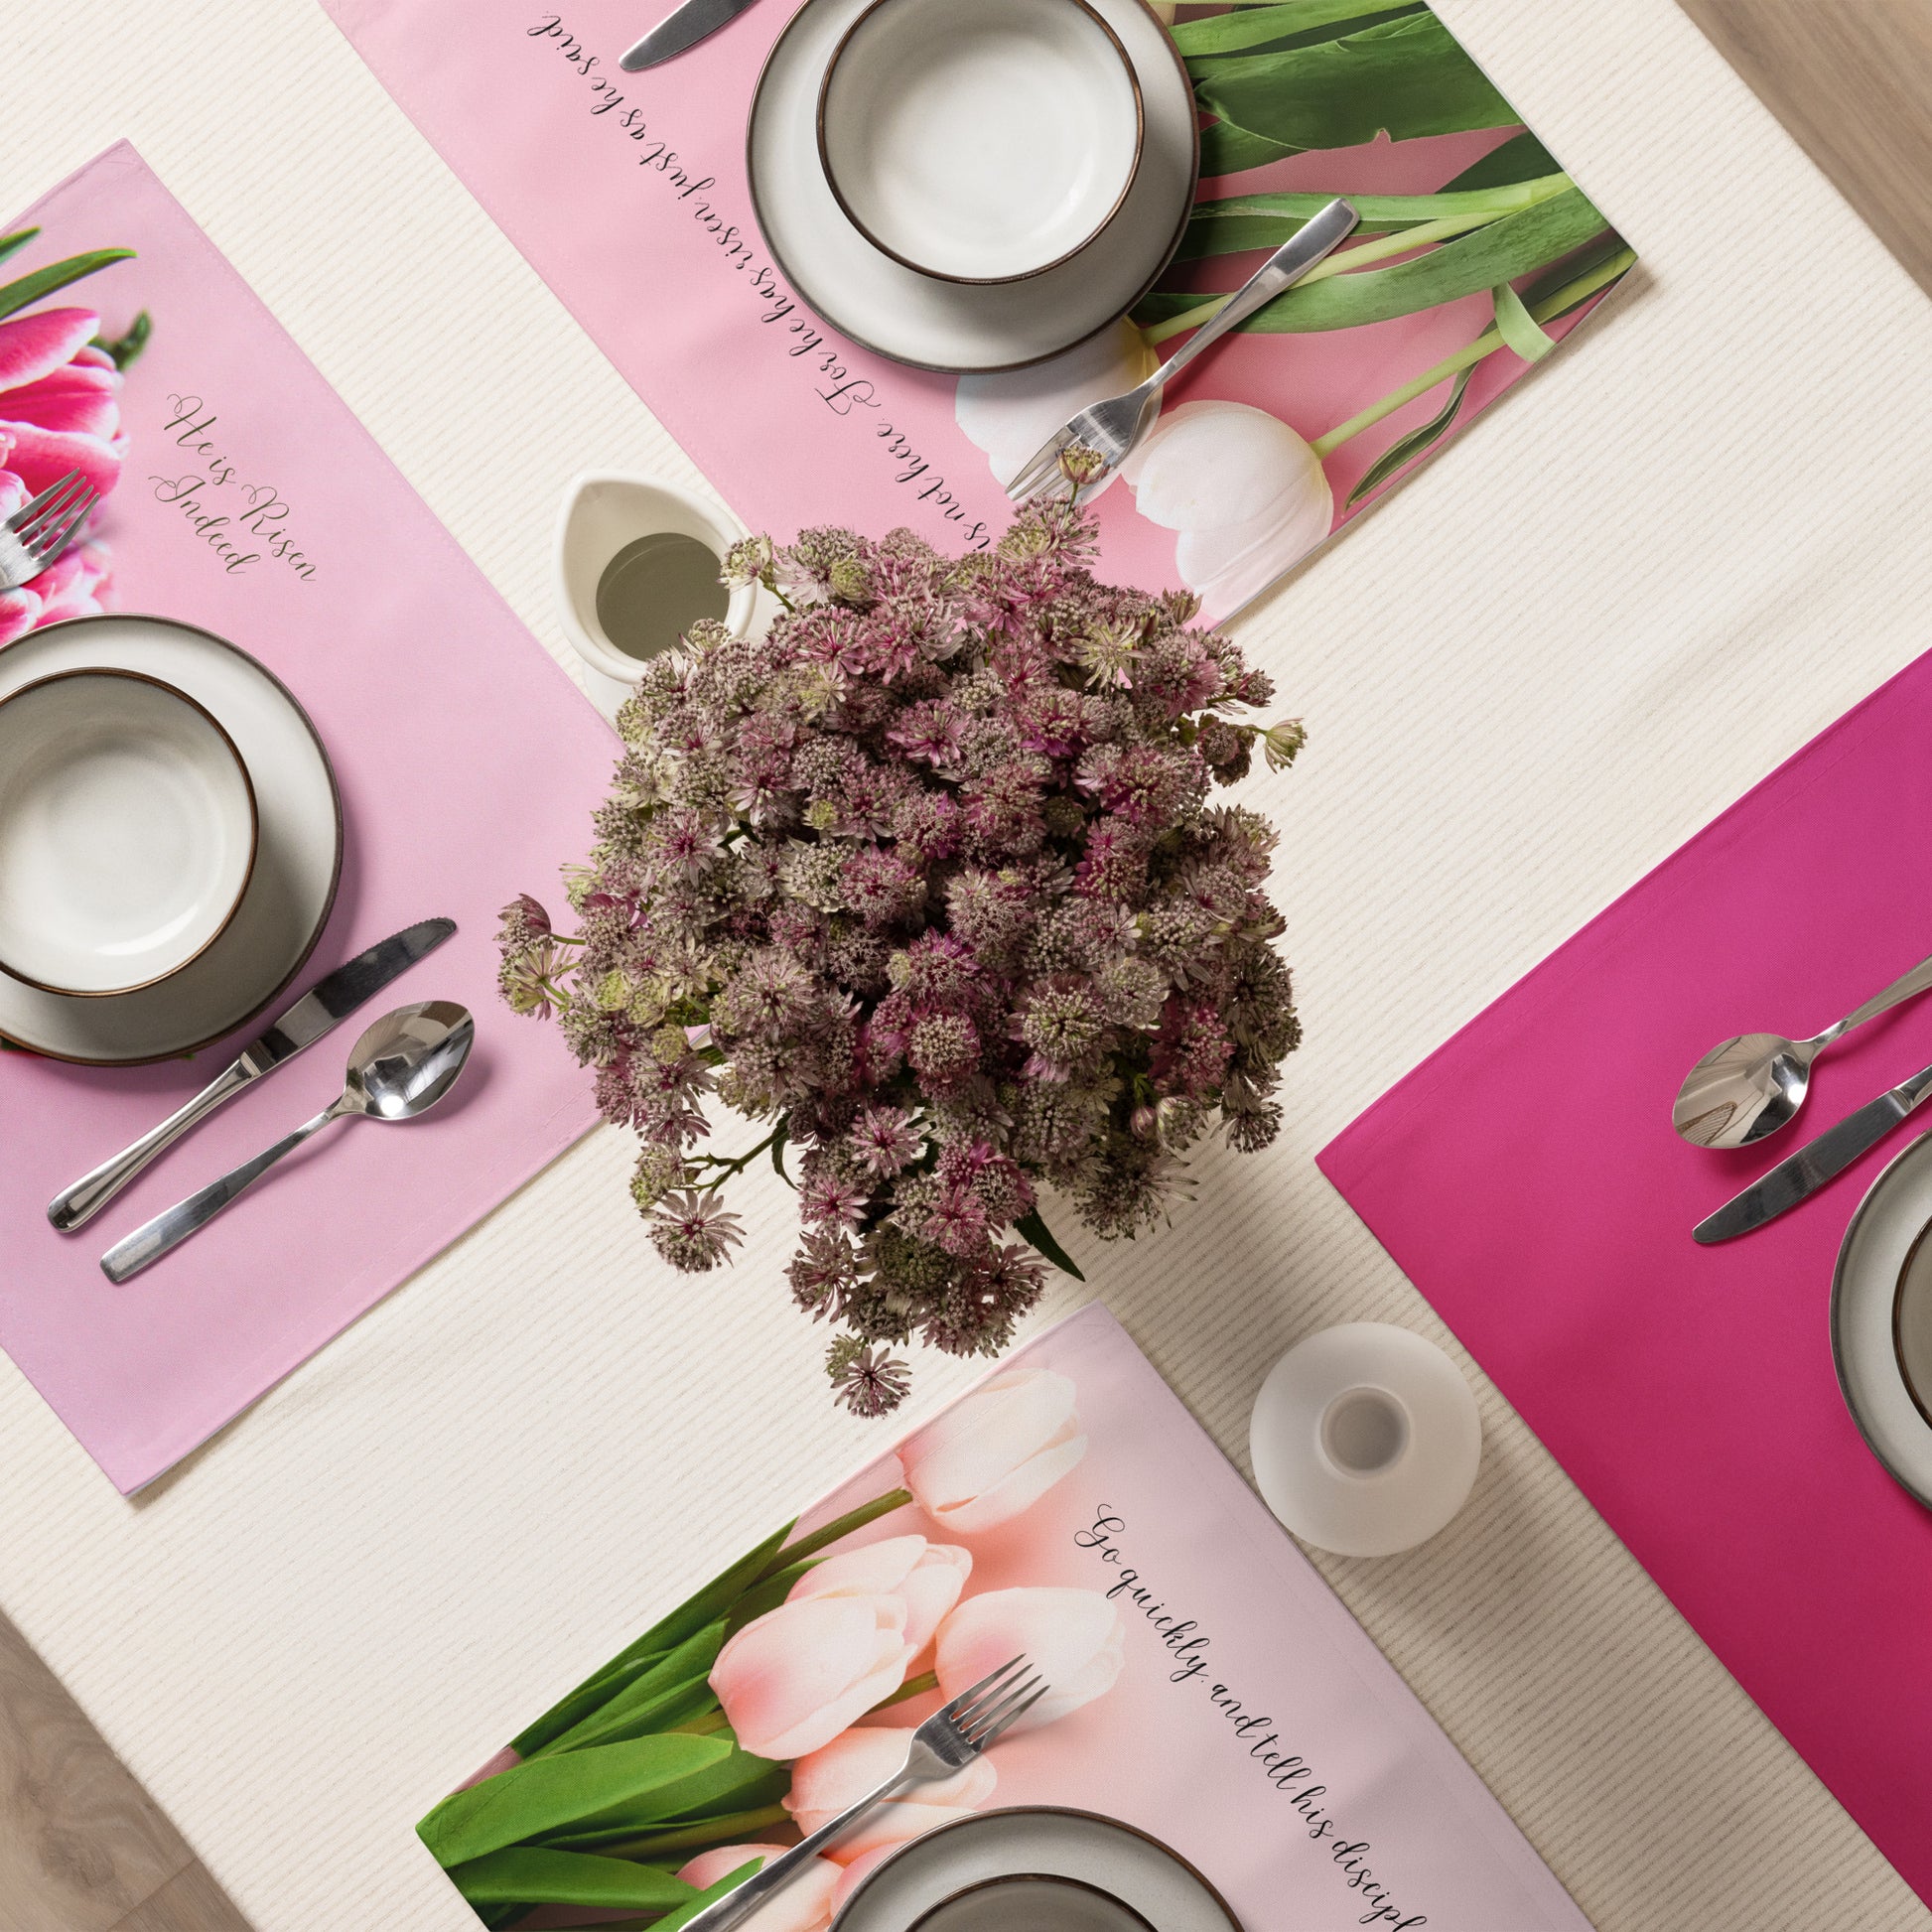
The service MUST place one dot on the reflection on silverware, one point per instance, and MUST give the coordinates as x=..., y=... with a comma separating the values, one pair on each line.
x=1747, y=1088
x=683, y=27
x=1817, y=1162
x=33, y=537
x=320, y=1011
x=1110, y=429
x=949, y=1741
x=400, y=1068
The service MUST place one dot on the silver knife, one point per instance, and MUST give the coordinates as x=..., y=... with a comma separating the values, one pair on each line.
x=325, y=1006
x=683, y=27
x=1814, y=1164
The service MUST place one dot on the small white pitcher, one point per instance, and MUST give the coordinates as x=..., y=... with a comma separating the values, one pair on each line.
x=603, y=510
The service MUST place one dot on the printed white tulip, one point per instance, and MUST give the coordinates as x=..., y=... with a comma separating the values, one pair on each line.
x=794, y=1678
x=928, y=1577
x=1074, y=1639
x=995, y=1453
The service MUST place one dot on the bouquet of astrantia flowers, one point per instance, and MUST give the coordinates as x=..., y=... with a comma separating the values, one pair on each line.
x=927, y=879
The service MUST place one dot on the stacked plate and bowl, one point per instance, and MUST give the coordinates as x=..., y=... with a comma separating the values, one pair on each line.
x=171, y=839
x=972, y=188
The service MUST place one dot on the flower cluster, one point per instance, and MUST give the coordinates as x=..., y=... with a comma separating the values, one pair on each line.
x=926, y=878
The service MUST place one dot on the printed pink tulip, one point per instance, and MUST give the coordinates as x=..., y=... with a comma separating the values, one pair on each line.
x=794, y=1678
x=857, y=1872
x=828, y=1780
x=996, y=1453
x=927, y=1575
x=1074, y=1639
x=804, y=1905
x=60, y=400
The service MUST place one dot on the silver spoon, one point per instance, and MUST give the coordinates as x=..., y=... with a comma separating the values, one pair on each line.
x=402, y=1067
x=1744, y=1090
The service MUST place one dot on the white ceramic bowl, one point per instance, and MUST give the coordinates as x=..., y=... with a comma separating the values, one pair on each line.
x=980, y=140
x=603, y=512
x=127, y=832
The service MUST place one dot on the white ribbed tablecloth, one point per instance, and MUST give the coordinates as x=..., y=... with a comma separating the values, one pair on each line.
x=1642, y=579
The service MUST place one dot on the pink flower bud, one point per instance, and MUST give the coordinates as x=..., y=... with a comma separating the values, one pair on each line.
x=927, y=1575
x=829, y=1780
x=794, y=1678
x=1074, y=1639
x=997, y=1451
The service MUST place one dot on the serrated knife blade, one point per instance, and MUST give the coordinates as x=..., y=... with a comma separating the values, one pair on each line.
x=325, y=1006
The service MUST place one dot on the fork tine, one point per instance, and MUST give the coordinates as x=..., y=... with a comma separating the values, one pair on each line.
x=990, y=1724
x=1012, y=1717
x=1044, y=462
x=969, y=1703
x=46, y=545
x=49, y=503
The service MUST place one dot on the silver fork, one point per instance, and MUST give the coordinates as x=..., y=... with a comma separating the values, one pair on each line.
x=1111, y=429
x=949, y=1741
x=36, y=534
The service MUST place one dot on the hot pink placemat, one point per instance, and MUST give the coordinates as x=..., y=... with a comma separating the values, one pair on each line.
x=1527, y=1179
x=628, y=195
x=465, y=756
x=1209, y=1688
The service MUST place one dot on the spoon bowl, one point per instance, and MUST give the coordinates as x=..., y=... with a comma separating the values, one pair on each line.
x=399, y=1069
x=1743, y=1090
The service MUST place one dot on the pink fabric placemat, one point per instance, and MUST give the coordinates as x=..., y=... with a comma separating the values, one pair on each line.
x=628, y=195
x=1210, y=1690
x=1527, y=1179
x=466, y=758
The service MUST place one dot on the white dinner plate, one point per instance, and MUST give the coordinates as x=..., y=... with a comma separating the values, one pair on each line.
x=1872, y=1262
x=1158, y=1884
x=959, y=326
x=298, y=860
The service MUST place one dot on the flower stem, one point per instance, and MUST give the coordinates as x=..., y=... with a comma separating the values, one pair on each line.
x=730, y=1167
x=856, y=1519
x=1486, y=344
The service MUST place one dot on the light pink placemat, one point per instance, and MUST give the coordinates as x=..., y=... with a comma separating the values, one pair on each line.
x=466, y=760
x=628, y=195
x=1220, y=1696
x=1527, y=1179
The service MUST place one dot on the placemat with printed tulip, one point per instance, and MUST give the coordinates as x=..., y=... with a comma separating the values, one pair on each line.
x=627, y=192
x=1207, y=1689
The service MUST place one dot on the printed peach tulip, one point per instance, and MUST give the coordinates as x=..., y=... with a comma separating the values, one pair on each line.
x=857, y=1872
x=829, y=1780
x=1074, y=1639
x=995, y=1453
x=928, y=1577
x=792, y=1680
x=804, y=1905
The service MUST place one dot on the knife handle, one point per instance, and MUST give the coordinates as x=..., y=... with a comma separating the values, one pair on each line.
x=79, y=1205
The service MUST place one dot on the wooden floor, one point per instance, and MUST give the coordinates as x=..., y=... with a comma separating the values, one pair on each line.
x=1852, y=82
x=83, y=1847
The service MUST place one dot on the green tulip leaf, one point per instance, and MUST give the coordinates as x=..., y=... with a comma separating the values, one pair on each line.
x=1305, y=20
x=1031, y=1228
x=12, y=244
x=531, y=1799
x=1405, y=79
x=1518, y=327
x=690, y=1910
x=685, y=1621
x=633, y=1706
x=1405, y=449
x=1243, y=222
x=736, y=1784
x=1229, y=150
x=56, y=275
x=1472, y=264
x=1521, y=158
x=527, y=1874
